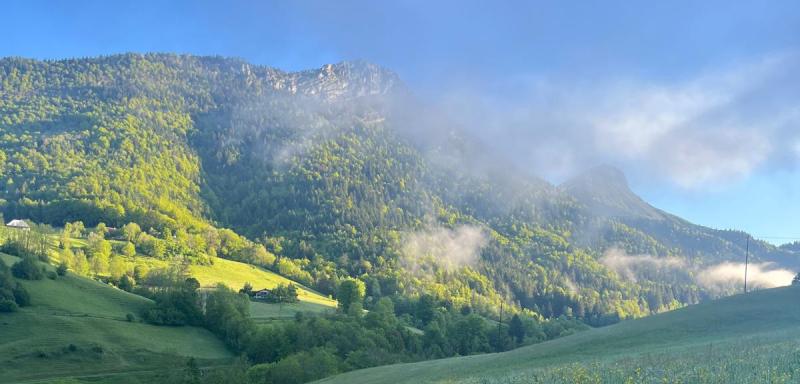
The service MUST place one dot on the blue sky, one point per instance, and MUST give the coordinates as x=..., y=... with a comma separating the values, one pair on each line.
x=696, y=101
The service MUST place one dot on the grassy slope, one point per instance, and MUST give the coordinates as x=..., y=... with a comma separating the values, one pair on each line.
x=264, y=312
x=235, y=274
x=766, y=317
x=34, y=342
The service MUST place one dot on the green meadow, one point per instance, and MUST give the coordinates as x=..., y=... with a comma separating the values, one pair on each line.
x=78, y=328
x=235, y=274
x=752, y=338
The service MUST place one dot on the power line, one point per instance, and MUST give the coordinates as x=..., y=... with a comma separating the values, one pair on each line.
x=776, y=237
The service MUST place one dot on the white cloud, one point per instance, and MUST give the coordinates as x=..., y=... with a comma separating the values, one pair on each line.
x=713, y=128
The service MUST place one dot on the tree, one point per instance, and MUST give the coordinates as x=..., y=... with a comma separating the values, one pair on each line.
x=131, y=231
x=140, y=271
x=7, y=305
x=301, y=367
x=284, y=293
x=247, y=289
x=382, y=315
x=68, y=257
x=129, y=250
x=81, y=265
x=117, y=268
x=102, y=229
x=99, y=246
x=469, y=335
x=126, y=283
x=100, y=264
x=425, y=308
x=64, y=241
x=27, y=268
x=21, y=295
x=74, y=229
x=796, y=280
x=516, y=329
x=100, y=252
x=61, y=270
x=351, y=291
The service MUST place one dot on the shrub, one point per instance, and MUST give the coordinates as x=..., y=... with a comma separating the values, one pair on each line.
x=52, y=275
x=28, y=269
x=21, y=296
x=14, y=248
x=126, y=283
x=130, y=317
x=8, y=306
x=62, y=268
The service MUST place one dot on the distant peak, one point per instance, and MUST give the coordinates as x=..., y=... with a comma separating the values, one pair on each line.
x=602, y=176
x=607, y=174
x=605, y=190
x=355, y=78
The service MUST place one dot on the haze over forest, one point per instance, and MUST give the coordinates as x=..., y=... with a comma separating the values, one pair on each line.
x=283, y=193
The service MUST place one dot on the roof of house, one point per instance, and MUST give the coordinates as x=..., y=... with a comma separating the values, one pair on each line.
x=17, y=223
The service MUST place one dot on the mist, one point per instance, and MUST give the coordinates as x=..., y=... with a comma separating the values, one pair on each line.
x=731, y=275
x=451, y=248
x=719, y=278
x=627, y=266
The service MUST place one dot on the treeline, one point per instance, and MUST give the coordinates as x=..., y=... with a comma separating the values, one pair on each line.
x=313, y=346
x=111, y=252
x=32, y=247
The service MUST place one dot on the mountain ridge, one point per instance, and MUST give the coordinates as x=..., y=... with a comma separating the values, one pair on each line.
x=605, y=189
x=325, y=176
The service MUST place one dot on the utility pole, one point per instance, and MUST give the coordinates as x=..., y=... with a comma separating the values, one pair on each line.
x=746, y=261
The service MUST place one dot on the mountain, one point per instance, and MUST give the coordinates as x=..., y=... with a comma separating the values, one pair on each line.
x=321, y=168
x=734, y=337
x=604, y=190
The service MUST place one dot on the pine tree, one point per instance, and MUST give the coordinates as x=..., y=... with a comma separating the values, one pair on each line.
x=516, y=329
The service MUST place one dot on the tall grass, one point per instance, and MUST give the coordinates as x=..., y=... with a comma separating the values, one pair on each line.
x=750, y=361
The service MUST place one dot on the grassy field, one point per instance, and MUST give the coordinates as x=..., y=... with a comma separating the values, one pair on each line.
x=753, y=338
x=264, y=312
x=77, y=328
x=235, y=274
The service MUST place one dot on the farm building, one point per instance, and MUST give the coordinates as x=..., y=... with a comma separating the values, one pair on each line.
x=263, y=294
x=18, y=224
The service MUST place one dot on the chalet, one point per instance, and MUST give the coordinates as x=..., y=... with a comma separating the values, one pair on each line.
x=18, y=224
x=263, y=294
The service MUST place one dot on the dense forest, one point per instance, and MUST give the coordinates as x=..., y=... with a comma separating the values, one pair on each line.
x=315, y=175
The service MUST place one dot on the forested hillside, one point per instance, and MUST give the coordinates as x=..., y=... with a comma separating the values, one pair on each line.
x=317, y=168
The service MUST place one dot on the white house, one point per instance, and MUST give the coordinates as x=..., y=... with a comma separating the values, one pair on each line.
x=18, y=224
